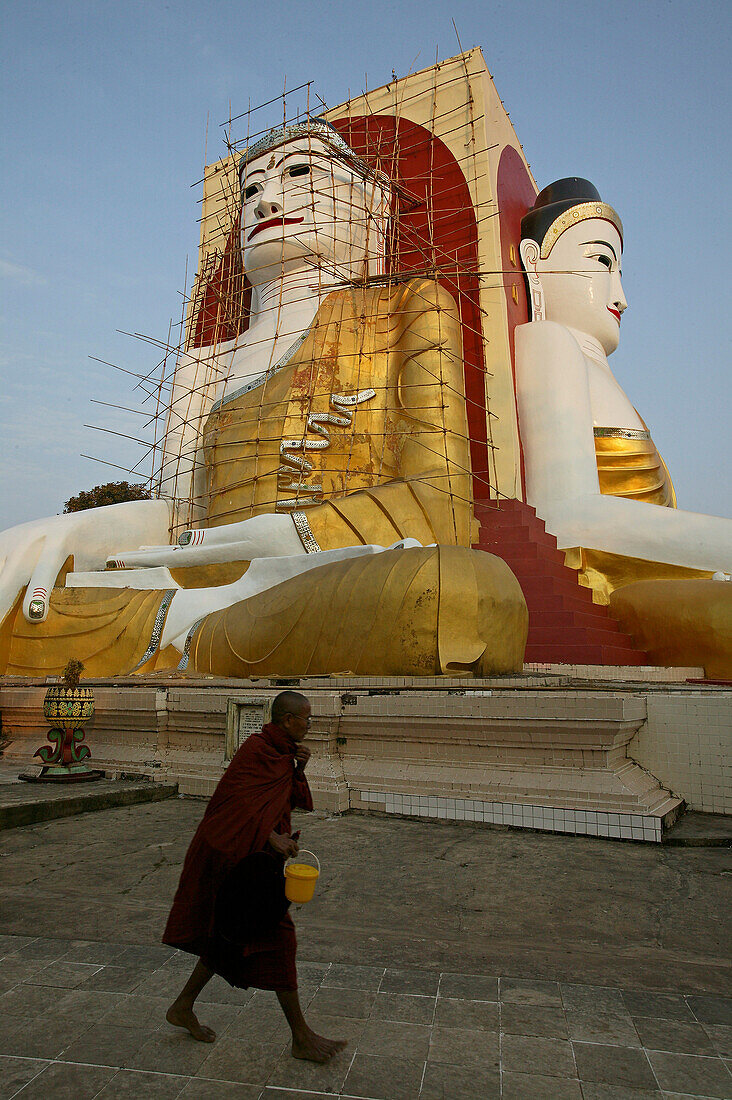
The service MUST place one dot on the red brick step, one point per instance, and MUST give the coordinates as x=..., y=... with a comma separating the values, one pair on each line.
x=565, y=626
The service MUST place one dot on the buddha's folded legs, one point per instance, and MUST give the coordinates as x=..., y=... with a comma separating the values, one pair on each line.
x=424, y=611
x=419, y=611
x=109, y=630
x=679, y=622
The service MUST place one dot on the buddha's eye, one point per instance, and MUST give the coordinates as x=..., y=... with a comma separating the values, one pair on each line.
x=251, y=191
x=605, y=260
x=299, y=170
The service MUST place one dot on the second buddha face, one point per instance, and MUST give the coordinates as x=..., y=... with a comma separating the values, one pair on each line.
x=301, y=203
x=580, y=280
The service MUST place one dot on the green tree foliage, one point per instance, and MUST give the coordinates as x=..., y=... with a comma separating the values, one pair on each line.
x=114, y=492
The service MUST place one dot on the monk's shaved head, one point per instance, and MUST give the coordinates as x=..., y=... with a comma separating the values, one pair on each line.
x=288, y=702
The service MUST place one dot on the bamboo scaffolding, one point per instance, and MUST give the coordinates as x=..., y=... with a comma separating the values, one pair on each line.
x=178, y=419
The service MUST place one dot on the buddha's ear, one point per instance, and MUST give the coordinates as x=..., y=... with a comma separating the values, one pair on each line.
x=378, y=206
x=530, y=252
x=378, y=197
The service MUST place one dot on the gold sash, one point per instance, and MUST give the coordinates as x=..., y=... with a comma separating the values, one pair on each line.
x=629, y=465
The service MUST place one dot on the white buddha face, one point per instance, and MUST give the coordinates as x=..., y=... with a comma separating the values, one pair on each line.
x=302, y=203
x=580, y=280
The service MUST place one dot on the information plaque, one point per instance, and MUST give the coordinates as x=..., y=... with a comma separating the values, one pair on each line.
x=244, y=718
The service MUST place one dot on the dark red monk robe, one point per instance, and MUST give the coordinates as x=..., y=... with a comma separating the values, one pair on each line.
x=254, y=798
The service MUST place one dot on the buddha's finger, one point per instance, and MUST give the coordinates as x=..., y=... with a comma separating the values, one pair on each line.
x=174, y=556
x=142, y=557
x=13, y=578
x=205, y=554
x=42, y=579
x=269, y=535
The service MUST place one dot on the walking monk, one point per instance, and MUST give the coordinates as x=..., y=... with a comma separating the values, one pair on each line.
x=249, y=813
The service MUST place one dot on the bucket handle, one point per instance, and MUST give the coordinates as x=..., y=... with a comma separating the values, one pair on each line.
x=304, y=852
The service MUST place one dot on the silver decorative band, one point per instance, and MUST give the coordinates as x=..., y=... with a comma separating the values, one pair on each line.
x=346, y=399
x=313, y=127
x=261, y=378
x=238, y=393
x=183, y=664
x=621, y=433
x=297, y=465
x=304, y=530
x=157, y=630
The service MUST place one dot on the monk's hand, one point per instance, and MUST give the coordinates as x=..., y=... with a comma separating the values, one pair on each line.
x=283, y=844
x=302, y=755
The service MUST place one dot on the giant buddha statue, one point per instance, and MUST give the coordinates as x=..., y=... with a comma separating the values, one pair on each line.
x=593, y=473
x=377, y=383
x=326, y=454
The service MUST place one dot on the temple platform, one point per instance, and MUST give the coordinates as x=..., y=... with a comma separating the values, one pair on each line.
x=588, y=750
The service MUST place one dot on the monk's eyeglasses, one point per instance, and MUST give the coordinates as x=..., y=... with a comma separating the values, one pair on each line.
x=300, y=718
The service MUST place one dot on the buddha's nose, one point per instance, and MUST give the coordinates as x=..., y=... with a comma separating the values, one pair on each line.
x=620, y=302
x=269, y=204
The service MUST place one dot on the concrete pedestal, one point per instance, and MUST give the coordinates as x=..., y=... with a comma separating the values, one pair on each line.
x=552, y=751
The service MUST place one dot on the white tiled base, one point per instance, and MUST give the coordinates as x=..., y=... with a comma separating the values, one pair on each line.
x=513, y=751
x=544, y=818
x=686, y=743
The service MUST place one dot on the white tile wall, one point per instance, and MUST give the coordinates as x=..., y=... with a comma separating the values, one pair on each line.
x=544, y=818
x=686, y=743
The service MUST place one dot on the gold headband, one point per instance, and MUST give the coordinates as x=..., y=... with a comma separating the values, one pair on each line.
x=574, y=216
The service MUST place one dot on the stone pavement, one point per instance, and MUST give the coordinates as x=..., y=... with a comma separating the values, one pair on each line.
x=85, y=1019
x=459, y=962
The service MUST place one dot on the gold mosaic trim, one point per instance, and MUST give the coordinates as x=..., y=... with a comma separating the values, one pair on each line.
x=157, y=630
x=305, y=532
x=621, y=433
x=576, y=214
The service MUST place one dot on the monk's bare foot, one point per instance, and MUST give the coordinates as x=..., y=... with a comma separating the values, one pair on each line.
x=181, y=1015
x=315, y=1048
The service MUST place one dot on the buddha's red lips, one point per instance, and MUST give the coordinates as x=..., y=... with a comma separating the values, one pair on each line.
x=615, y=313
x=270, y=222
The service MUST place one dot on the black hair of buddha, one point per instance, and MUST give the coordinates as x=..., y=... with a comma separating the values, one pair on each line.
x=554, y=200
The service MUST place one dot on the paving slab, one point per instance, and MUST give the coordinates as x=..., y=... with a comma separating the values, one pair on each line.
x=696, y=829
x=23, y=803
x=123, y=1047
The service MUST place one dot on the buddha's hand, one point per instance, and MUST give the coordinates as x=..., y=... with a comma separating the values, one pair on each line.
x=267, y=536
x=33, y=554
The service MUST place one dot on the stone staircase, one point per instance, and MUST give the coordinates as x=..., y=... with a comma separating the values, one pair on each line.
x=565, y=626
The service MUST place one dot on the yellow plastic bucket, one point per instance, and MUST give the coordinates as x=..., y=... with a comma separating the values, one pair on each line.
x=300, y=879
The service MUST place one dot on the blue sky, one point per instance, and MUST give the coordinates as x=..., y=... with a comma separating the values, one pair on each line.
x=110, y=111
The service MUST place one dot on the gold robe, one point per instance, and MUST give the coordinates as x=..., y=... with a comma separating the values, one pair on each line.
x=364, y=428
x=427, y=611
x=362, y=436
x=629, y=466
